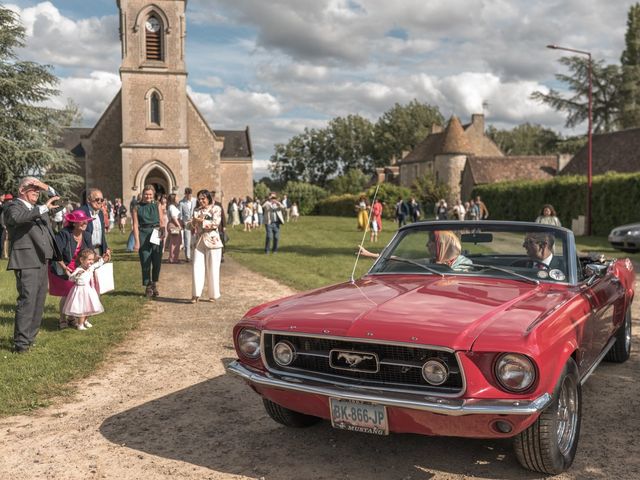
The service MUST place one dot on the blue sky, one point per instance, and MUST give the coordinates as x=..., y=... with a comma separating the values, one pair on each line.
x=282, y=65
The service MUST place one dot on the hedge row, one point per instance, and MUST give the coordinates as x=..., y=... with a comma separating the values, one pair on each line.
x=615, y=199
x=345, y=205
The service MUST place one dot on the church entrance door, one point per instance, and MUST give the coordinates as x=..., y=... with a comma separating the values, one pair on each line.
x=160, y=182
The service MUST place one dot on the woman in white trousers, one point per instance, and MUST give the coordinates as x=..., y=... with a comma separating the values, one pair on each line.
x=208, y=250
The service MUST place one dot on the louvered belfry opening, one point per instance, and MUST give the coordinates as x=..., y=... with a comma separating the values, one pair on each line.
x=154, y=42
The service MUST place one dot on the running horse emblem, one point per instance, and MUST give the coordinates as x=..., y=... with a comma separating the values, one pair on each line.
x=354, y=359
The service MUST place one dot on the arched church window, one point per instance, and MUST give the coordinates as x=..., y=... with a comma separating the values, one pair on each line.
x=154, y=108
x=153, y=37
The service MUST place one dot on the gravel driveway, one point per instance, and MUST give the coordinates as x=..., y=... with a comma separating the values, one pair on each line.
x=162, y=407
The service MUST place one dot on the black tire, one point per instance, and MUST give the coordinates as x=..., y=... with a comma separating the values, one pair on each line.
x=621, y=350
x=287, y=417
x=549, y=445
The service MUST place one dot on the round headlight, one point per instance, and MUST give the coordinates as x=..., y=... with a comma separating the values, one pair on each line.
x=284, y=353
x=249, y=342
x=435, y=371
x=515, y=372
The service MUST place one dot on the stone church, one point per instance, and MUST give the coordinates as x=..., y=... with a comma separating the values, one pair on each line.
x=152, y=132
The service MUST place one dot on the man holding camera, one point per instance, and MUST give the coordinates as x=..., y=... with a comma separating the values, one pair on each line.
x=31, y=247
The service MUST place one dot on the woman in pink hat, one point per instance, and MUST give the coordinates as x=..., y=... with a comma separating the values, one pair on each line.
x=71, y=240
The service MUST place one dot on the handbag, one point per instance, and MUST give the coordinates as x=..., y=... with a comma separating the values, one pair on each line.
x=104, y=278
x=225, y=237
x=211, y=239
x=174, y=230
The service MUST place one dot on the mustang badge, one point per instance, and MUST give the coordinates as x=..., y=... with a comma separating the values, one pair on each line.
x=354, y=359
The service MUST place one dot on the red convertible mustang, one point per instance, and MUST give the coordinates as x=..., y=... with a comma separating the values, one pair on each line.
x=469, y=329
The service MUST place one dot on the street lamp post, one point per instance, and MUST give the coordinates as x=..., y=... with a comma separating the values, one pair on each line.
x=589, y=135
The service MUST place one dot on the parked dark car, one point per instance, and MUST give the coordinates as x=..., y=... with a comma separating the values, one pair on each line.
x=626, y=237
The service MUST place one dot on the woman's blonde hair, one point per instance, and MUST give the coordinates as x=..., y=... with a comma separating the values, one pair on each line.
x=447, y=245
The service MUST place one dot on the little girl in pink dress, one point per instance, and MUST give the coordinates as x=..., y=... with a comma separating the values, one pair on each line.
x=83, y=300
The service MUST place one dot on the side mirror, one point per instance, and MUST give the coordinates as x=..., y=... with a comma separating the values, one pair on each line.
x=595, y=271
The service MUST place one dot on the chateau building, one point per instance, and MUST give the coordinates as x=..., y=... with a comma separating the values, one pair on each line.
x=462, y=156
x=152, y=132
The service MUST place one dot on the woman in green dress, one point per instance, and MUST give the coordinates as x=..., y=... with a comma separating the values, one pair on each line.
x=148, y=216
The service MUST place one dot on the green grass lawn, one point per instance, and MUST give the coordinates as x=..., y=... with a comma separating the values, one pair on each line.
x=601, y=245
x=29, y=381
x=313, y=252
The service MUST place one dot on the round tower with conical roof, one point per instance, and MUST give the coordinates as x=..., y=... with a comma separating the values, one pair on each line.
x=451, y=160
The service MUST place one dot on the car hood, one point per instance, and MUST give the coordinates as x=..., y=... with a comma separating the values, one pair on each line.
x=630, y=226
x=451, y=312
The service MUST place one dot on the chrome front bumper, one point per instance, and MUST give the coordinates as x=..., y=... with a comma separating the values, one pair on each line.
x=445, y=406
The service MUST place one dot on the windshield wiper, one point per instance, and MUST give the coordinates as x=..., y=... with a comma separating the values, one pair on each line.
x=413, y=262
x=504, y=270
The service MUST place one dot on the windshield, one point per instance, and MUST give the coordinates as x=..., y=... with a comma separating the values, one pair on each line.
x=525, y=252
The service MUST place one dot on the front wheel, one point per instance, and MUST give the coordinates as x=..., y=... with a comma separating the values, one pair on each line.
x=621, y=350
x=287, y=417
x=549, y=445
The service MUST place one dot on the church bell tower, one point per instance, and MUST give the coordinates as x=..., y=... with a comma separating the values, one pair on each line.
x=155, y=147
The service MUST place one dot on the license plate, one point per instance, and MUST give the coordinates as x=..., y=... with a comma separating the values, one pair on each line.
x=359, y=416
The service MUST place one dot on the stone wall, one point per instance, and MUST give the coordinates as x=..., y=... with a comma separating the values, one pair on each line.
x=204, y=153
x=409, y=172
x=103, y=162
x=237, y=179
x=448, y=169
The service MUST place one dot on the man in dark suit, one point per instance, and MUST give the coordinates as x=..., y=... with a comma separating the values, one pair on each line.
x=539, y=247
x=96, y=227
x=31, y=246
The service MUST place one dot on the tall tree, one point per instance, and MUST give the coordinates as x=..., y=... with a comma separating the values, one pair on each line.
x=630, y=84
x=606, y=83
x=403, y=127
x=525, y=139
x=352, y=143
x=28, y=130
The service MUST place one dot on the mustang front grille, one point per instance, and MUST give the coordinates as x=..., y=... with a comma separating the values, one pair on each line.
x=397, y=367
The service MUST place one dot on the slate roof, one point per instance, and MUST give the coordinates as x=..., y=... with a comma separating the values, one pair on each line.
x=612, y=152
x=501, y=169
x=457, y=139
x=70, y=140
x=237, y=143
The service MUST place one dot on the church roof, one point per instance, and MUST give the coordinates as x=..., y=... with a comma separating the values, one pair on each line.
x=486, y=170
x=70, y=140
x=237, y=143
x=455, y=140
x=612, y=152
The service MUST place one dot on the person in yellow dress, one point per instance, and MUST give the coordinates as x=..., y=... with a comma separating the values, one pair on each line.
x=363, y=215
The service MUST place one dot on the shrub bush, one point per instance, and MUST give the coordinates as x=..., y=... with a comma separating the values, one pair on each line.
x=305, y=195
x=338, y=205
x=615, y=197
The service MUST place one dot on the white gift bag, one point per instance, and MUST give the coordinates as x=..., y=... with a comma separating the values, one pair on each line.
x=104, y=278
x=156, y=239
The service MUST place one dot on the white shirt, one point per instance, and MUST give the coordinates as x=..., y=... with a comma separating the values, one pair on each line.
x=96, y=235
x=547, y=261
x=43, y=208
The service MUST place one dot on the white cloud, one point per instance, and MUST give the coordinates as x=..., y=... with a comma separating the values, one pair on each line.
x=210, y=81
x=92, y=94
x=55, y=39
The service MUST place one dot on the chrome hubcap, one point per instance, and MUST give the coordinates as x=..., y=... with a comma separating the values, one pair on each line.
x=567, y=416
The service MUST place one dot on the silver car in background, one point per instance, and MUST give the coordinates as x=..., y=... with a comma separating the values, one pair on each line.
x=626, y=237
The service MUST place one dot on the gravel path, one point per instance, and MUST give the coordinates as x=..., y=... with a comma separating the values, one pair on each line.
x=162, y=407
